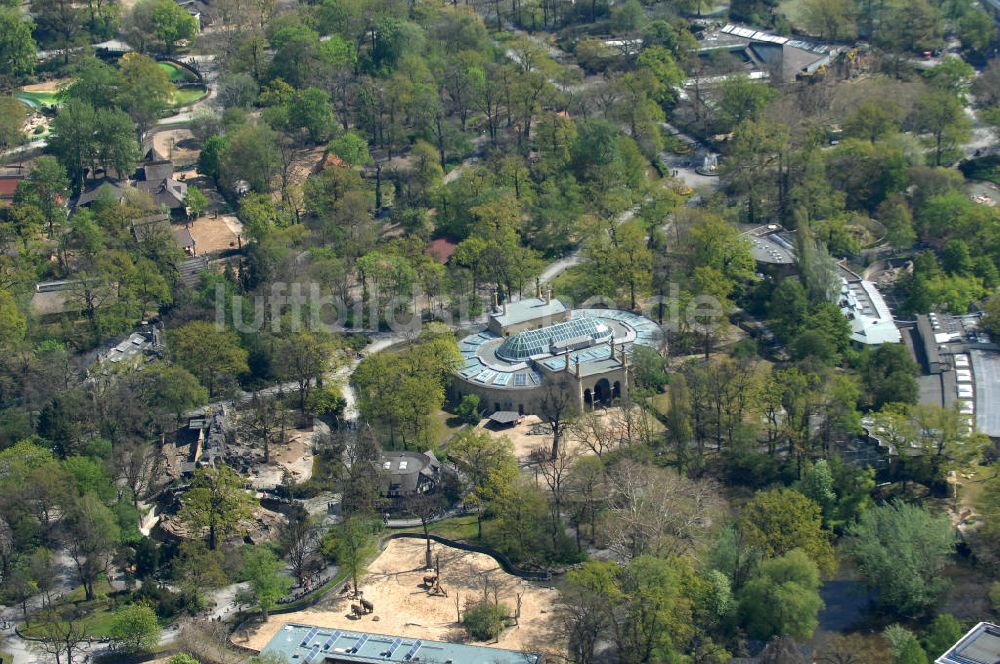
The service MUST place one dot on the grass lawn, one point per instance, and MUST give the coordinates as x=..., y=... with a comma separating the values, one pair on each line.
x=177, y=74
x=461, y=528
x=444, y=425
x=36, y=99
x=101, y=589
x=96, y=619
x=96, y=614
x=187, y=96
x=6, y=657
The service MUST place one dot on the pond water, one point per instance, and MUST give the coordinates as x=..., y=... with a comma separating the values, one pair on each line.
x=847, y=603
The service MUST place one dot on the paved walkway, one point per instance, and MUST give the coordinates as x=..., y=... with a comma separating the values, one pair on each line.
x=683, y=166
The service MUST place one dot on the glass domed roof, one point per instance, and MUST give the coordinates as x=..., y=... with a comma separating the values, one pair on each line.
x=529, y=343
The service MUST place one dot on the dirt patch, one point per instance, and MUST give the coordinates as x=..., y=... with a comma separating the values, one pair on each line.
x=304, y=164
x=55, y=85
x=295, y=456
x=215, y=234
x=178, y=145
x=403, y=607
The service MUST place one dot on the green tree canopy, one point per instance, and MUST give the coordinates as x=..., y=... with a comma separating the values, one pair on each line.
x=159, y=24
x=353, y=545
x=208, y=353
x=943, y=633
x=13, y=323
x=93, y=535
x=265, y=573
x=217, y=503
x=782, y=599
x=352, y=148
x=144, y=89
x=489, y=465
x=13, y=113
x=900, y=550
x=399, y=391
x=134, y=628
x=17, y=48
x=779, y=520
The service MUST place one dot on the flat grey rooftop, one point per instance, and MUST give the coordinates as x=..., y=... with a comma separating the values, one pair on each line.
x=980, y=646
x=986, y=373
x=930, y=390
x=767, y=250
x=529, y=309
x=771, y=244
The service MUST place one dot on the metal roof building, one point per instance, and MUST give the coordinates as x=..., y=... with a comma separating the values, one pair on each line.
x=771, y=245
x=581, y=332
x=306, y=644
x=767, y=54
x=986, y=368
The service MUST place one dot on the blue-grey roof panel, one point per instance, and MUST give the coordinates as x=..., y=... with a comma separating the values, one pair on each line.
x=369, y=648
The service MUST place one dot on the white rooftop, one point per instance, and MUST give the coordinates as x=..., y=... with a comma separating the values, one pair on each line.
x=528, y=309
x=870, y=318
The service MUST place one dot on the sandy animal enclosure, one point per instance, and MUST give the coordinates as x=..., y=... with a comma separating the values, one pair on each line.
x=178, y=145
x=519, y=435
x=525, y=441
x=214, y=234
x=403, y=607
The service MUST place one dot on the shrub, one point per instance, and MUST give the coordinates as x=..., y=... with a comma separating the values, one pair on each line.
x=134, y=628
x=484, y=620
x=468, y=410
x=165, y=602
x=943, y=633
x=182, y=658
